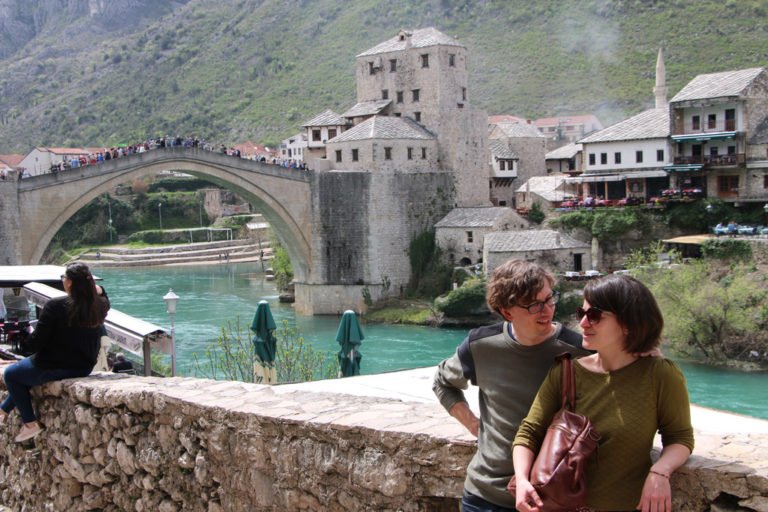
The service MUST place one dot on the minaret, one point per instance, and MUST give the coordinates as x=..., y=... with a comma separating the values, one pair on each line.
x=660, y=91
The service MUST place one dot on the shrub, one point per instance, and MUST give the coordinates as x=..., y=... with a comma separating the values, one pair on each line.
x=726, y=248
x=468, y=299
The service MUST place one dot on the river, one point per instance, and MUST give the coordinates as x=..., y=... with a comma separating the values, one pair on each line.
x=210, y=296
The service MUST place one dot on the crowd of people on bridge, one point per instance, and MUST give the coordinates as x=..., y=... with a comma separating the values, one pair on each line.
x=126, y=150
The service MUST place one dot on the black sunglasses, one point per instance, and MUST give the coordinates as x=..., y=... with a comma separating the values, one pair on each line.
x=593, y=314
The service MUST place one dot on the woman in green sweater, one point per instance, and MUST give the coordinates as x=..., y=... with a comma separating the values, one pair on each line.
x=628, y=399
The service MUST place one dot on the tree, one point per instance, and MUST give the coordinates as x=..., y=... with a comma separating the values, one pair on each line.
x=535, y=214
x=711, y=311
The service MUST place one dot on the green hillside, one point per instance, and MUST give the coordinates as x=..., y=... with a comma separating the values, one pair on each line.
x=233, y=70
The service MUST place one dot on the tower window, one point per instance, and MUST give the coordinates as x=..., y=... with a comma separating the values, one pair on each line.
x=387, y=153
x=399, y=96
x=392, y=65
x=425, y=60
x=355, y=155
x=385, y=94
x=416, y=93
x=338, y=155
x=452, y=60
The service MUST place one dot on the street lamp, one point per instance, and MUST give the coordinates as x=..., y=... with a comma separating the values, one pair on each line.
x=109, y=210
x=160, y=214
x=765, y=209
x=709, y=208
x=171, y=299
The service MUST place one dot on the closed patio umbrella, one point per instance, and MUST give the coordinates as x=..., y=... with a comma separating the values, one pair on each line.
x=349, y=336
x=264, y=344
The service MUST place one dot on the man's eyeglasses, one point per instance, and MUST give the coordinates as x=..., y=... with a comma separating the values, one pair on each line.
x=594, y=315
x=538, y=307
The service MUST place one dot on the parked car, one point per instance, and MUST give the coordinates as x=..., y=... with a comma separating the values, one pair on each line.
x=571, y=203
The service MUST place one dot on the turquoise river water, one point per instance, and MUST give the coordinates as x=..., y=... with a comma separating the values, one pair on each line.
x=210, y=296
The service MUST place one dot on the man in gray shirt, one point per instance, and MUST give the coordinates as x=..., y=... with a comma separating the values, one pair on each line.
x=508, y=362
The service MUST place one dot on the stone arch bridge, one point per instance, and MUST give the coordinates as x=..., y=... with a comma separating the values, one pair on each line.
x=346, y=233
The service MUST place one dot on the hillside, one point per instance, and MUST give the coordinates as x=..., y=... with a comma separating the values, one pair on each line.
x=101, y=73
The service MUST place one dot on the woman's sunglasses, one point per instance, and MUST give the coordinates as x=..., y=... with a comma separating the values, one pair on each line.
x=594, y=315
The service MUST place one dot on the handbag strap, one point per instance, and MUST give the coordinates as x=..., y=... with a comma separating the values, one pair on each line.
x=568, y=393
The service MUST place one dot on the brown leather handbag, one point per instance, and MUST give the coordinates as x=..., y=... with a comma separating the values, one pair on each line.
x=559, y=473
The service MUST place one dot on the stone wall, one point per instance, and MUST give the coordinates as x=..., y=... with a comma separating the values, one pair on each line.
x=10, y=252
x=114, y=442
x=132, y=443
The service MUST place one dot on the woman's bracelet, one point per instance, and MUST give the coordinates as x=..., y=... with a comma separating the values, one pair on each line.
x=659, y=473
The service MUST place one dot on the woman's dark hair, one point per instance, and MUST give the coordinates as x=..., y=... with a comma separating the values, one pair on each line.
x=634, y=306
x=84, y=307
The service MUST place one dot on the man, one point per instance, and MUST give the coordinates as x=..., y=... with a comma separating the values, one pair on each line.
x=508, y=362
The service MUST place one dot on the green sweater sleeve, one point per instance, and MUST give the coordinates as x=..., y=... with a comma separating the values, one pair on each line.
x=674, y=412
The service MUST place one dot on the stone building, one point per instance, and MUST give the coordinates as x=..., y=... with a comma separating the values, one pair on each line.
x=460, y=233
x=718, y=125
x=566, y=159
x=548, y=191
x=423, y=75
x=628, y=159
x=520, y=146
x=392, y=165
x=556, y=251
x=320, y=129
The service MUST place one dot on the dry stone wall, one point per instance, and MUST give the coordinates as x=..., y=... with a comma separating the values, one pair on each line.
x=132, y=443
x=114, y=442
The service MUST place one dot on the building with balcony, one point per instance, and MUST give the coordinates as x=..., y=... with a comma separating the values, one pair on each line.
x=517, y=154
x=718, y=124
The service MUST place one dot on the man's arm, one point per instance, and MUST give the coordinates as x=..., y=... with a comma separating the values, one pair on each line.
x=449, y=384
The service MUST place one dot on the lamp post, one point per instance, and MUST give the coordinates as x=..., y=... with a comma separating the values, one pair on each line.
x=160, y=214
x=709, y=208
x=109, y=211
x=171, y=299
x=765, y=209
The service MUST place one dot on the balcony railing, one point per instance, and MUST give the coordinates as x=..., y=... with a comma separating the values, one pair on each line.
x=704, y=126
x=712, y=160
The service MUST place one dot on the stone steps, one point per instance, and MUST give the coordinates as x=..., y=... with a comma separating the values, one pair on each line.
x=199, y=253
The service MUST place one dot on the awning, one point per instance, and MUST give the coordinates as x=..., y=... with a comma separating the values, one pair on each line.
x=701, y=137
x=656, y=173
x=683, y=167
x=595, y=178
x=690, y=239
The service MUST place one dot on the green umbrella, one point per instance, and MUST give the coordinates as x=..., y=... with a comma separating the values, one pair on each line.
x=349, y=336
x=264, y=344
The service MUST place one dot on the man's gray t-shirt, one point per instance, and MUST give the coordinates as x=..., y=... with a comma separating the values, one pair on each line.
x=508, y=376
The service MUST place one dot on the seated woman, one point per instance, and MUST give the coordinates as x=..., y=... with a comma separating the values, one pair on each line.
x=627, y=398
x=66, y=342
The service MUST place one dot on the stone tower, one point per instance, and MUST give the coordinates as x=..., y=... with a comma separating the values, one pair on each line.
x=423, y=73
x=660, y=90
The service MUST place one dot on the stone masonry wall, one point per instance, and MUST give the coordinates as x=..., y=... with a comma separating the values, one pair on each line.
x=113, y=442
x=10, y=253
x=132, y=443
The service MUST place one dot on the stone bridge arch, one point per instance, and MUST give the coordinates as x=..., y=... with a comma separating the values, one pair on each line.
x=282, y=195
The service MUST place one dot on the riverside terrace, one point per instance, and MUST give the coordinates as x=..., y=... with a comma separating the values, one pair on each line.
x=379, y=442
